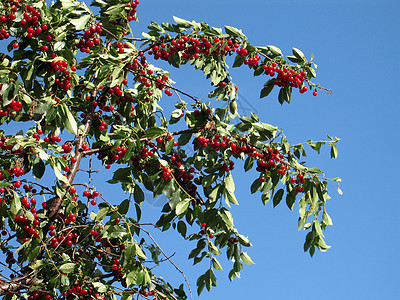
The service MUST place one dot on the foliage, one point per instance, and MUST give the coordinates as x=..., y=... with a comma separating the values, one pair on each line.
x=66, y=75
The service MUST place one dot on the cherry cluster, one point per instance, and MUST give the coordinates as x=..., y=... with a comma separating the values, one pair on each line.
x=90, y=38
x=267, y=160
x=64, y=77
x=216, y=142
x=30, y=21
x=69, y=238
x=147, y=76
x=82, y=291
x=131, y=8
x=35, y=294
x=119, y=152
x=285, y=76
x=12, y=107
x=192, y=47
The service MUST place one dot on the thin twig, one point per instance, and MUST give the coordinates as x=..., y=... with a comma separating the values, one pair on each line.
x=162, y=251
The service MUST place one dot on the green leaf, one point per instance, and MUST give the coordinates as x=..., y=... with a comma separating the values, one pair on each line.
x=216, y=264
x=265, y=197
x=169, y=146
x=334, y=151
x=182, y=22
x=138, y=194
x=65, y=280
x=268, y=87
x=255, y=186
x=182, y=229
x=290, y=199
x=230, y=196
x=182, y=206
x=244, y=240
x=239, y=60
x=67, y=268
x=15, y=204
x=70, y=122
x=140, y=277
x=275, y=50
x=214, y=250
x=248, y=164
x=229, y=183
x=154, y=131
x=33, y=253
x=102, y=214
x=326, y=219
x=234, y=32
x=131, y=278
x=38, y=169
x=314, y=170
x=184, y=138
x=278, y=197
x=285, y=94
x=246, y=258
x=124, y=207
x=100, y=287
x=226, y=217
x=81, y=22
x=299, y=54
x=59, y=45
x=139, y=252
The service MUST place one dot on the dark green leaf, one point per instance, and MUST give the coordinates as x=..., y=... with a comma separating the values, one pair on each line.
x=124, y=207
x=278, y=197
x=154, y=131
x=38, y=169
x=182, y=228
x=184, y=138
x=248, y=164
x=239, y=60
x=268, y=87
x=255, y=186
x=138, y=194
x=290, y=199
x=226, y=217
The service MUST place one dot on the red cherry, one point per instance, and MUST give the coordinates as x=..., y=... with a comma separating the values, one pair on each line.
x=15, y=45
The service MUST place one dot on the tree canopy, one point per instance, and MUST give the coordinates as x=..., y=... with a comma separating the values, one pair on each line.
x=83, y=87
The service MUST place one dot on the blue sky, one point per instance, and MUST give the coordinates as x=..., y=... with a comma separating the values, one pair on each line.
x=355, y=44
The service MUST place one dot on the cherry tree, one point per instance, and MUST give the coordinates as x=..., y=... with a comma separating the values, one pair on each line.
x=86, y=91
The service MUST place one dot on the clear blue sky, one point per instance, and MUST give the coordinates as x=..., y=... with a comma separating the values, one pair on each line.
x=356, y=46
